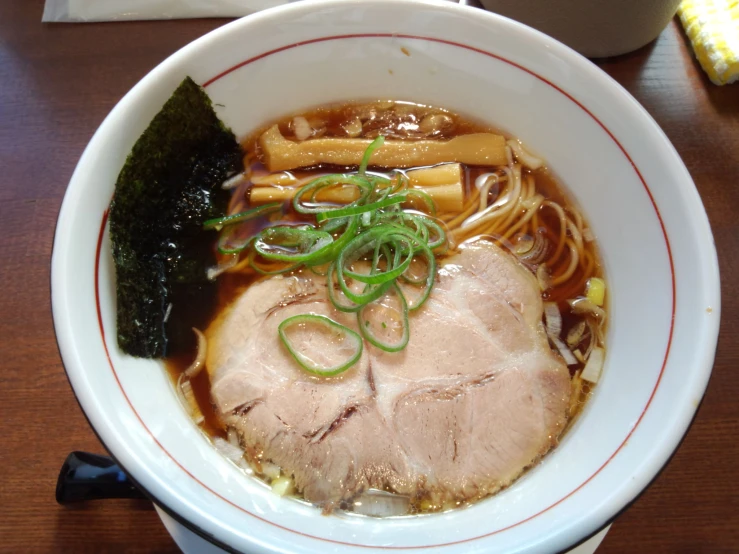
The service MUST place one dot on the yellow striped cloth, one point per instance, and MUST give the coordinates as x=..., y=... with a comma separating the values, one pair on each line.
x=713, y=29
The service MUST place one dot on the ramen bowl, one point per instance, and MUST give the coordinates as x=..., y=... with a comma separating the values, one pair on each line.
x=644, y=211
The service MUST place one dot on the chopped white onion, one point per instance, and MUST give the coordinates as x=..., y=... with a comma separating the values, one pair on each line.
x=243, y=464
x=585, y=306
x=377, y=503
x=233, y=437
x=537, y=251
x=553, y=322
x=553, y=319
x=575, y=393
x=353, y=128
x=595, y=336
x=523, y=245
x=435, y=123
x=187, y=397
x=543, y=277
x=575, y=334
x=594, y=366
x=270, y=470
x=282, y=486
x=215, y=271
x=302, y=128
x=199, y=362
x=234, y=181
x=228, y=450
x=568, y=356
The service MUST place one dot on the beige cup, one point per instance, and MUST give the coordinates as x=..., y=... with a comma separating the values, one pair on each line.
x=595, y=28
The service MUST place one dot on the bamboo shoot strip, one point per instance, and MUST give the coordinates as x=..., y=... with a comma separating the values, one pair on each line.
x=442, y=182
x=281, y=154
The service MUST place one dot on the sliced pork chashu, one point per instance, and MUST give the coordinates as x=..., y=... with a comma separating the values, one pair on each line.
x=475, y=398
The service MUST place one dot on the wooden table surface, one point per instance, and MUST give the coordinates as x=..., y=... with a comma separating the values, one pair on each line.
x=58, y=82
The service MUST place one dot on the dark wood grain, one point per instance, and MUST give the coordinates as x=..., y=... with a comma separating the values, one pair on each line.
x=57, y=83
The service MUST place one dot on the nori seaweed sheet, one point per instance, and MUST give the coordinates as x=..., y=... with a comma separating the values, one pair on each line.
x=169, y=185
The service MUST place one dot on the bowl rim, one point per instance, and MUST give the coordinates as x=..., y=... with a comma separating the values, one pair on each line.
x=707, y=362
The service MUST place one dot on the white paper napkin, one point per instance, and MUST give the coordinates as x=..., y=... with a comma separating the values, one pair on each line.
x=119, y=10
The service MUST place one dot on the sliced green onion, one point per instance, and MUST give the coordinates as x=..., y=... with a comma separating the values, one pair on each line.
x=378, y=320
x=371, y=291
x=320, y=270
x=401, y=183
x=426, y=197
x=432, y=225
x=429, y=281
x=314, y=187
x=291, y=244
x=334, y=292
x=412, y=279
x=224, y=245
x=329, y=254
x=384, y=250
x=243, y=216
x=262, y=271
x=394, y=269
x=373, y=239
x=424, y=226
x=310, y=361
x=355, y=209
x=375, y=230
x=332, y=225
x=374, y=145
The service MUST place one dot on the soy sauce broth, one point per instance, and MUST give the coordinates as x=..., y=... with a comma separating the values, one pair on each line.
x=396, y=121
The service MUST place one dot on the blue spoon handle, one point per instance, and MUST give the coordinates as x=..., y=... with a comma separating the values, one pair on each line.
x=86, y=476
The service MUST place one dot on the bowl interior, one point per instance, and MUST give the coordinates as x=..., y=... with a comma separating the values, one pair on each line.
x=617, y=165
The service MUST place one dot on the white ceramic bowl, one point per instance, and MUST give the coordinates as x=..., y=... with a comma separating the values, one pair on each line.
x=643, y=207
